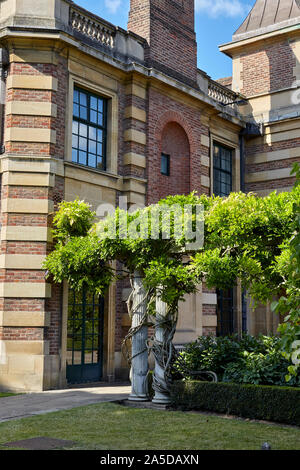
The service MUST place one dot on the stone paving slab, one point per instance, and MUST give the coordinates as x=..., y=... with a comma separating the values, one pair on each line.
x=31, y=404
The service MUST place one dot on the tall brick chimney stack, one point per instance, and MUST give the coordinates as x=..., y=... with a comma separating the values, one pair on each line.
x=169, y=28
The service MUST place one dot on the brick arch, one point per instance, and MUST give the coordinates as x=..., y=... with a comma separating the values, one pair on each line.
x=174, y=137
x=172, y=116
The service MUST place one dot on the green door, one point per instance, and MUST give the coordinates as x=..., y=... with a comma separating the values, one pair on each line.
x=85, y=337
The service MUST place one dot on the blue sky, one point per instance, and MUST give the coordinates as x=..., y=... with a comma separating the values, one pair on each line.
x=216, y=21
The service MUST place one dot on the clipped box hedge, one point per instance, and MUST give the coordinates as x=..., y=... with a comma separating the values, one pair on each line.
x=272, y=403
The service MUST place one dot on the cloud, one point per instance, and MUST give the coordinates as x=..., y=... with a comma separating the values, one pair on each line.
x=112, y=5
x=215, y=8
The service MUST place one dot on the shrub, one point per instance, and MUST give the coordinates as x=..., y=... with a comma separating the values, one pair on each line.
x=257, y=368
x=272, y=403
x=209, y=353
x=254, y=360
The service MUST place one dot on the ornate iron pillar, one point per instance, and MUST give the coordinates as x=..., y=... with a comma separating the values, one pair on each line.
x=139, y=363
x=162, y=395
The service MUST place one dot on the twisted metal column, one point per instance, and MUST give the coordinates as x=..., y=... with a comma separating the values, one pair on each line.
x=161, y=350
x=139, y=355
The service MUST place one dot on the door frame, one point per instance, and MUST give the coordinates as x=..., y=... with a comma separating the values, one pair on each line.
x=108, y=335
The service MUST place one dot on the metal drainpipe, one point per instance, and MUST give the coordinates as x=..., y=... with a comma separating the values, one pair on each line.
x=4, y=62
x=242, y=160
x=242, y=170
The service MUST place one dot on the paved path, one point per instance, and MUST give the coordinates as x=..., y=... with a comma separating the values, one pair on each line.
x=30, y=404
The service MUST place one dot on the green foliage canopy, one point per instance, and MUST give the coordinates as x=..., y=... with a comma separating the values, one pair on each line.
x=289, y=304
x=85, y=252
x=245, y=237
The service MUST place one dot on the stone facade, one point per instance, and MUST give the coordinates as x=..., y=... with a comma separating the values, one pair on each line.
x=157, y=102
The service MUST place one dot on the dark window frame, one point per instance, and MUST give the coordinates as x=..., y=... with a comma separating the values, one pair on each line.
x=167, y=156
x=93, y=130
x=225, y=312
x=219, y=171
x=225, y=298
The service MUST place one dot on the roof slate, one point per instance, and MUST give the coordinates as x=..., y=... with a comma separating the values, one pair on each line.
x=269, y=15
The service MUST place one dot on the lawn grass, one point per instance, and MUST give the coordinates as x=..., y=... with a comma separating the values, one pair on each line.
x=2, y=395
x=108, y=426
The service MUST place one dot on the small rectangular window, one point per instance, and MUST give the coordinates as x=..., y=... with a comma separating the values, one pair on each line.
x=89, y=129
x=165, y=164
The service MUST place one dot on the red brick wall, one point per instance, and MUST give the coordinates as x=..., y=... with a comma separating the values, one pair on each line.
x=167, y=120
x=58, y=97
x=268, y=68
x=251, y=150
x=55, y=194
x=168, y=26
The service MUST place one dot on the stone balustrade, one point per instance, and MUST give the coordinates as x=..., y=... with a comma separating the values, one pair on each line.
x=221, y=94
x=92, y=28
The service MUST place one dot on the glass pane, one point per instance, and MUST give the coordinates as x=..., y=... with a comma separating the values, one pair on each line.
x=100, y=105
x=96, y=320
x=77, y=343
x=74, y=155
x=83, y=144
x=92, y=160
x=93, y=117
x=99, y=150
x=89, y=343
x=77, y=357
x=100, y=119
x=69, y=357
x=82, y=158
x=70, y=343
x=92, y=133
x=92, y=146
x=75, y=141
x=76, y=96
x=228, y=165
x=83, y=130
x=165, y=164
x=83, y=99
x=216, y=162
x=88, y=359
x=90, y=311
x=83, y=112
x=76, y=110
x=89, y=298
x=99, y=135
x=94, y=102
x=75, y=127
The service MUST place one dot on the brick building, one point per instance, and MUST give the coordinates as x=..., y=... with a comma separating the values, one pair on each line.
x=90, y=110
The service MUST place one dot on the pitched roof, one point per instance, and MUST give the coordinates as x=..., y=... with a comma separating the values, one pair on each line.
x=226, y=81
x=269, y=15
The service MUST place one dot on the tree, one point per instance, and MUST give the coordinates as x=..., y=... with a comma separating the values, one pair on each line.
x=289, y=304
x=84, y=252
x=245, y=237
